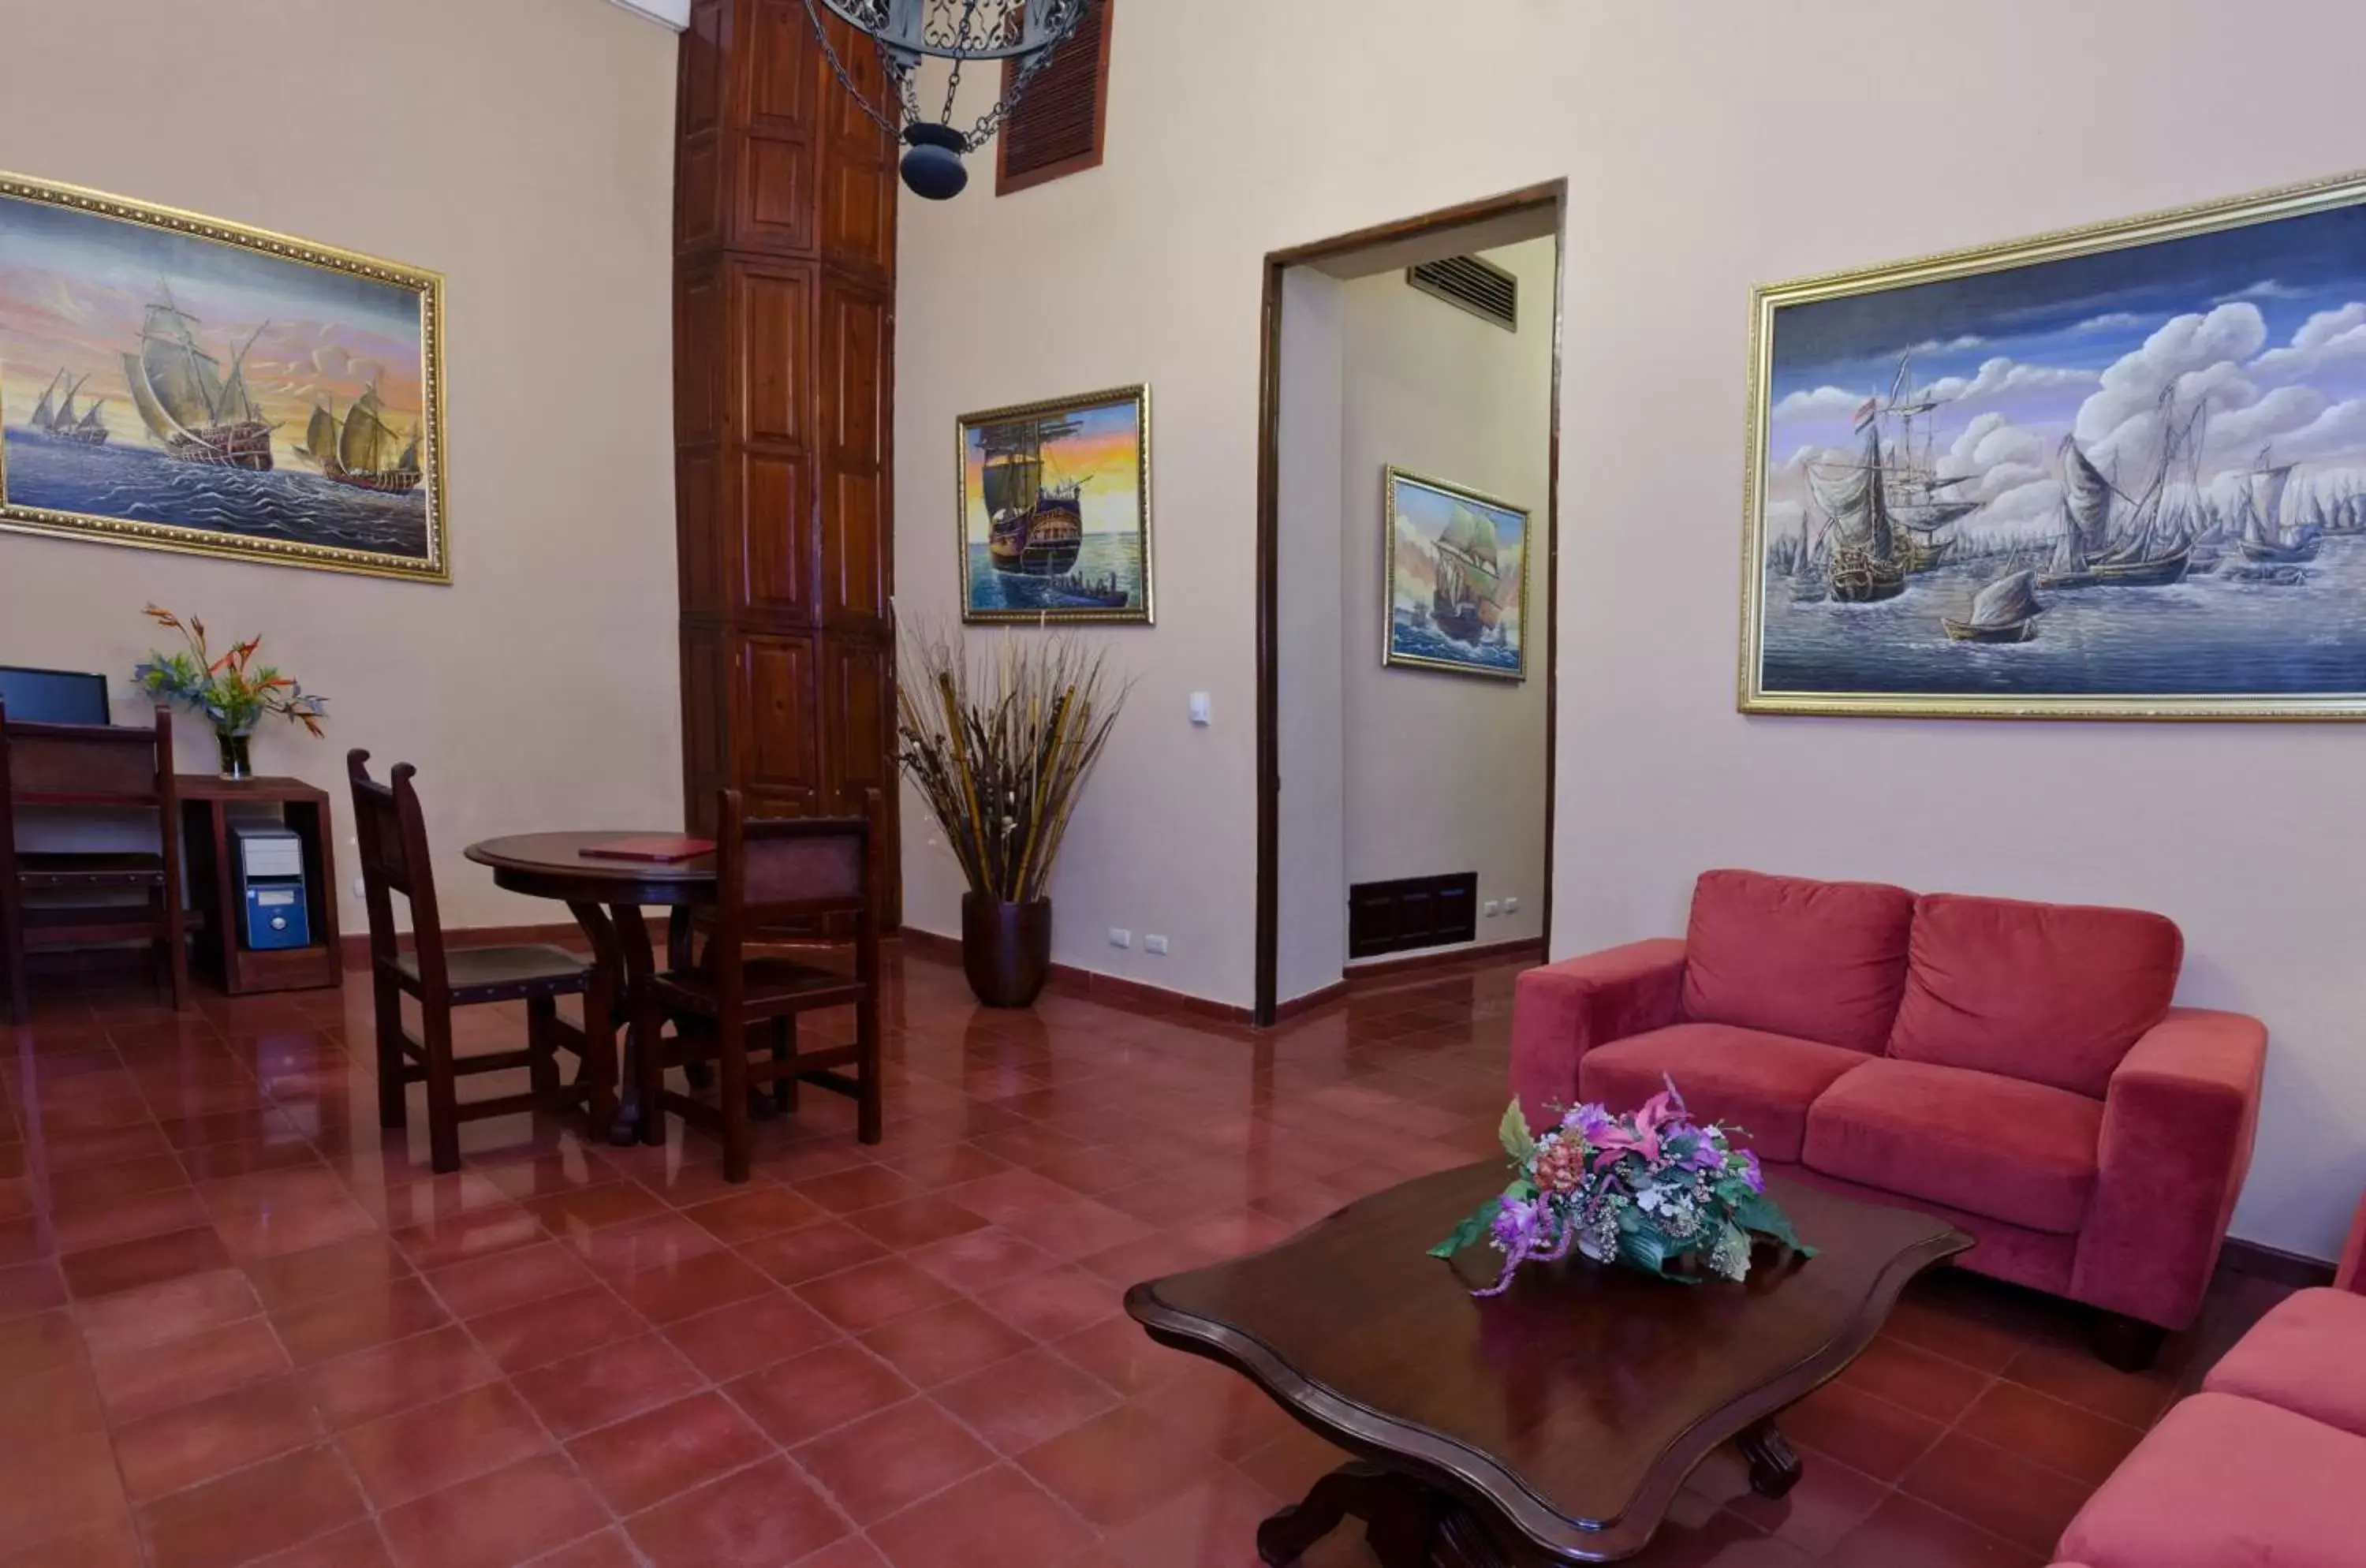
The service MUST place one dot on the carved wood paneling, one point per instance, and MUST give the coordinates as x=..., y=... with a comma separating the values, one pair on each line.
x=784, y=339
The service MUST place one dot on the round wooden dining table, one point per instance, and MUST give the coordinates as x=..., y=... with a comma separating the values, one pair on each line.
x=608, y=898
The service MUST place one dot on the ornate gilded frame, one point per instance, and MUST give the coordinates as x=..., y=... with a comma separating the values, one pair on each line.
x=1139, y=395
x=1766, y=300
x=436, y=567
x=1390, y=476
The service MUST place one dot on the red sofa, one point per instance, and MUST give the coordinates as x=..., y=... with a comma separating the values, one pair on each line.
x=2016, y=1068
x=2264, y=1465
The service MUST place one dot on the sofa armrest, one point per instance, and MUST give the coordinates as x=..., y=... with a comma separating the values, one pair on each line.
x=2352, y=1273
x=2177, y=1124
x=1560, y=1011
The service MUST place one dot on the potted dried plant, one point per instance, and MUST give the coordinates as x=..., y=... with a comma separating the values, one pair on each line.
x=999, y=756
x=233, y=691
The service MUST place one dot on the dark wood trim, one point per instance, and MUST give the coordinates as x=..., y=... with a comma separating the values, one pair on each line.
x=1299, y=1006
x=2264, y=1262
x=1553, y=194
x=1005, y=182
x=1444, y=958
x=1269, y=647
x=1067, y=977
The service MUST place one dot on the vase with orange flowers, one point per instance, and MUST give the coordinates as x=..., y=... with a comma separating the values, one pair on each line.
x=233, y=692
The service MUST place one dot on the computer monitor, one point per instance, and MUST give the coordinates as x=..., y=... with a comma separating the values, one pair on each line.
x=52, y=696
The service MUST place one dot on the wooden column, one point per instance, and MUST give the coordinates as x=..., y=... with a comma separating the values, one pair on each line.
x=784, y=328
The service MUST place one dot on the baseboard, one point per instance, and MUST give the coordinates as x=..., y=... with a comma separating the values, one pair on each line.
x=1485, y=952
x=1322, y=996
x=2274, y=1263
x=1091, y=983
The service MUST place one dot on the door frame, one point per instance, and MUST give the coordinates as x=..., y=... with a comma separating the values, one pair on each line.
x=1551, y=196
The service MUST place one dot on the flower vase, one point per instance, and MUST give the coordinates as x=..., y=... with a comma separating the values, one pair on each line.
x=236, y=760
x=1006, y=949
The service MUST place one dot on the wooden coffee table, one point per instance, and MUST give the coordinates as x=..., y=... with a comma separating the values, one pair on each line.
x=1553, y=1424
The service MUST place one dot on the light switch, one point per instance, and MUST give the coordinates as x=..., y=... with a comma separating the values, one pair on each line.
x=1200, y=712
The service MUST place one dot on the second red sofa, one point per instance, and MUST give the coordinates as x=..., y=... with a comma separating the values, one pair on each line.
x=2016, y=1068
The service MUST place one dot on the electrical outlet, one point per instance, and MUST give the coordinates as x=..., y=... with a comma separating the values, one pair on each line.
x=1121, y=937
x=1511, y=905
x=1154, y=944
x=1492, y=909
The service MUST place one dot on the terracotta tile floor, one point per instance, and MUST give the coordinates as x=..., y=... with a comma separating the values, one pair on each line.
x=238, y=1324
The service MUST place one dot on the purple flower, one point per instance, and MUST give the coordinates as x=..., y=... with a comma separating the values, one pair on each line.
x=1516, y=1225
x=1751, y=1175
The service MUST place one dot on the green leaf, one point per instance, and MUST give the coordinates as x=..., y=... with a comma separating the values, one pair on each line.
x=1761, y=1213
x=1513, y=1133
x=1470, y=1230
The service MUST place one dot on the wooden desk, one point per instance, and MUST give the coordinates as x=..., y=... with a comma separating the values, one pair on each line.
x=205, y=803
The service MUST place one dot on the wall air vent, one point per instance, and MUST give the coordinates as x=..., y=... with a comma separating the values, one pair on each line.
x=1480, y=287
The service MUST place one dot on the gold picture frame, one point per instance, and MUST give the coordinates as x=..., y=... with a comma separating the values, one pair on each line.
x=320, y=343
x=2075, y=353
x=1053, y=520
x=1471, y=637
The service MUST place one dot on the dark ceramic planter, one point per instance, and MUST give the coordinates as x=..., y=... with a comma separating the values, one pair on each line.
x=1006, y=949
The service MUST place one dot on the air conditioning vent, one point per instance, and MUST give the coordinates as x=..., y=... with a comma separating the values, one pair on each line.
x=1480, y=287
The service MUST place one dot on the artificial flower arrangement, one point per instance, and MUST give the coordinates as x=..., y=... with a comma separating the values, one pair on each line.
x=1651, y=1190
x=232, y=691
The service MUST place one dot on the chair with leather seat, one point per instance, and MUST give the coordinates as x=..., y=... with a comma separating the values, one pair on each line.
x=771, y=874
x=392, y=836
x=89, y=898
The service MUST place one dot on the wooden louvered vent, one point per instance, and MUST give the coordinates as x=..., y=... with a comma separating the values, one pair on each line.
x=1480, y=287
x=1060, y=121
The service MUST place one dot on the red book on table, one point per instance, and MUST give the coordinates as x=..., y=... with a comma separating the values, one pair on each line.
x=661, y=850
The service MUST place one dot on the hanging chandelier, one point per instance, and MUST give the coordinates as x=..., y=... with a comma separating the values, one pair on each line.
x=909, y=31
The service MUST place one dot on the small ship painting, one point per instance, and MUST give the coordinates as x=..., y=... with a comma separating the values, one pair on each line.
x=1056, y=510
x=164, y=386
x=1456, y=568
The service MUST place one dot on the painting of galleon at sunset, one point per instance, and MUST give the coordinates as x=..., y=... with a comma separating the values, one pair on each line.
x=211, y=395
x=2134, y=476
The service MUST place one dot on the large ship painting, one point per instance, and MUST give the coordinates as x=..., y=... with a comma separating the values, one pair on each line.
x=1036, y=527
x=362, y=449
x=194, y=412
x=59, y=419
x=1463, y=602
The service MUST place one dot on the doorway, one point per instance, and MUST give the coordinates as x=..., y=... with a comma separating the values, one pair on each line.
x=1403, y=681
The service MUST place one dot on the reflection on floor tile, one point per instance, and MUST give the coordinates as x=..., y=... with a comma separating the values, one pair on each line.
x=237, y=1320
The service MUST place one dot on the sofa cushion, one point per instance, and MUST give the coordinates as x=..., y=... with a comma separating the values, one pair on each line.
x=2225, y=1481
x=2017, y=1152
x=1761, y=1083
x=2308, y=1356
x=1823, y=961
x=2052, y=993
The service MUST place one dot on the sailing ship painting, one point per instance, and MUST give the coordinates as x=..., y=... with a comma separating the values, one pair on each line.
x=1056, y=510
x=185, y=383
x=1455, y=574
x=2119, y=473
x=59, y=419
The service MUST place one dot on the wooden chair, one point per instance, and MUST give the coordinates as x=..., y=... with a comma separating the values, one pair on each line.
x=392, y=836
x=769, y=874
x=103, y=767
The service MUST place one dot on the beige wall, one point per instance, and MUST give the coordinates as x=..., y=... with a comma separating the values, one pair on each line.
x=1310, y=884
x=522, y=148
x=1708, y=146
x=1445, y=773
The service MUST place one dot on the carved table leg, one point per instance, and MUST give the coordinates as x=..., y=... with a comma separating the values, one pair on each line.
x=609, y=951
x=1407, y=1524
x=1774, y=1466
